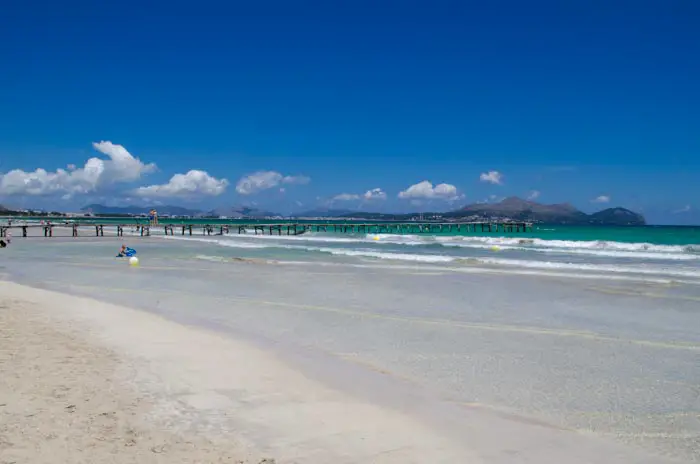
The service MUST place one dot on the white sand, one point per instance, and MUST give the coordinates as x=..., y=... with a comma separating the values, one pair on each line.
x=62, y=399
x=85, y=381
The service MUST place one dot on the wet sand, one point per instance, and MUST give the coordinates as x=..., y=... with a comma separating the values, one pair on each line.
x=376, y=364
x=66, y=398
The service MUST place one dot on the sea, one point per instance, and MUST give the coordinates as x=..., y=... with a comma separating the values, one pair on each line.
x=654, y=253
x=592, y=329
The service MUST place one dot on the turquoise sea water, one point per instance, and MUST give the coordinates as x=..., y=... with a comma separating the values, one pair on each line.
x=657, y=235
x=650, y=252
x=641, y=252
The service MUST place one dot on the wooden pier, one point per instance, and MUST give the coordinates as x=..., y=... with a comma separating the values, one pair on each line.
x=144, y=230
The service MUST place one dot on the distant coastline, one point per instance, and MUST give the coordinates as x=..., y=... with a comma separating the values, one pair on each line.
x=511, y=209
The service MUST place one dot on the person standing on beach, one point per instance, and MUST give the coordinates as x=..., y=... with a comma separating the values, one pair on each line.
x=153, y=217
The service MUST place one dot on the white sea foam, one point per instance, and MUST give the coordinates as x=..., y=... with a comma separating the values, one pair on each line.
x=594, y=248
x=216, y=241
x=367, y=250
x=574, y=247
x=391, y=256
x=605, y=268
x=630, y=269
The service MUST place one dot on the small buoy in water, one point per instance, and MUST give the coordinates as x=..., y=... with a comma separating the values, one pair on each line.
x=495, y=248
x=376, y=237
x=134, y=261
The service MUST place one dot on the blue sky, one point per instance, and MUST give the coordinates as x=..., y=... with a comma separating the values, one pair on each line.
x=574, y=101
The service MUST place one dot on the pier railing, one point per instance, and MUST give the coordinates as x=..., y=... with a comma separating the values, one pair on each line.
x=81, y=229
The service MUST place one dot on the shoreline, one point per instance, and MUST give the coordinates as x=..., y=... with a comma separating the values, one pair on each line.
x=265, y=252
x=66, y=397
x=209, y=391
x=159, y=375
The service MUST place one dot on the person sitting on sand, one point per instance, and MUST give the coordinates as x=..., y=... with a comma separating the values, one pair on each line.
x=125, y=251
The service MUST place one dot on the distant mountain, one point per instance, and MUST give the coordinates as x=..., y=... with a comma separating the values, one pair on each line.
x=324, y=212
x=169, y=210
x=523, y=210
x=137, y=210
x=617, y=216
x=513, y=208
x=379, y=216
x=241, y=212
x=517, y=209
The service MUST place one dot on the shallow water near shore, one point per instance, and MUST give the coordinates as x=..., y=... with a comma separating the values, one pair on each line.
x=612, y=357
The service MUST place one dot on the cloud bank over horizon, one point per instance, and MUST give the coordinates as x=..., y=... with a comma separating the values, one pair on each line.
x=193, y=183
x=115, y=175
x=97, y=173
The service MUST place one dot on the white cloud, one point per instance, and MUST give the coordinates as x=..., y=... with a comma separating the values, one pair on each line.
x=601, y=199
x=345, y=197
x=374, y=194
x=194, y=183
x=534, y=195
x=685, y=209
x=425, y=190
x=263, y=180
x=492, y=177
x=97, y=173
x=369, y=195
x=296, y=180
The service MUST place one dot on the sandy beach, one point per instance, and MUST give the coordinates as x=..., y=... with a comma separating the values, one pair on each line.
x=65, y=397
x=192, y=360
x=72, y=398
